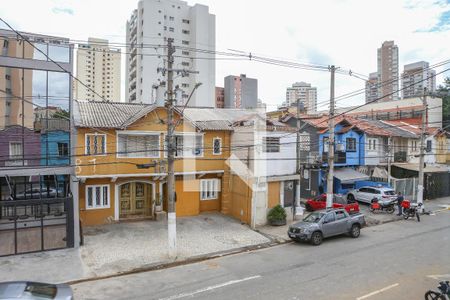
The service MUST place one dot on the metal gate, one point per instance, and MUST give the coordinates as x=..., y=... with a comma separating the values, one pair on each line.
x=36, y=219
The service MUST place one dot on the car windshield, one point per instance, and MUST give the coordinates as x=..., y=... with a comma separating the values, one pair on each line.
x=42, y=290
x=390, y=193
x=313, y=217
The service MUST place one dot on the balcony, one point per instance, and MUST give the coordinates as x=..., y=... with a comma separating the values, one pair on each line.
x=340, y=157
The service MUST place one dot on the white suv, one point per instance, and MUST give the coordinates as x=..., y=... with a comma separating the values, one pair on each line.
x=368, y=193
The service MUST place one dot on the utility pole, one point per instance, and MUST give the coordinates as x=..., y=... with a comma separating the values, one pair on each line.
x=389, y=159
x=299, y=173
x=331, y=143
x=422, y=150
x=171, y=214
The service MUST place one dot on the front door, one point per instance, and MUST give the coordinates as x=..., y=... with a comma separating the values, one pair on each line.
x=135, y=200
x=288, y=193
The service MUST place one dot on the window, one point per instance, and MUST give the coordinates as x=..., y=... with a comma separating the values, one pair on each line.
x=63, y=149
x=185, y=52
x=351, y=145
x=326, y=144
x=188, y=145
x=185, y=85
x=340, y=215
x=429, y=145
x=138, y=145
x=185, y=42
x=171, y=29
x=97, y=196
x=372, y=143
x=185, y=21
x=217, y=146
x=305, y=142
x=271, y=144
x=185, y=64
x=414, y=145
x=185, y=31
x=329, y=218
x=209, y=189
x=15, y=150
x=95, y=144
x=8, y=77
x=171, y=18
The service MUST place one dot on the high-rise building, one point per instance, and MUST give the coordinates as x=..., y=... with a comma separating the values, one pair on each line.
x=304, y=93
x=241, y=92
x=372, y=87
x=415, y=77
x=98, y=67
x=388, y=70
x=148, y=30
x=220, y=97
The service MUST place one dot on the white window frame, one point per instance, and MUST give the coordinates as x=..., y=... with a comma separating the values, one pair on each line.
x=94, y=203
x=220, y=146
x=95, y=135
x=202, y=153
x=143, y=133
x=19, y=156
x=372, y=144
x=212, y=189
x=268, y=147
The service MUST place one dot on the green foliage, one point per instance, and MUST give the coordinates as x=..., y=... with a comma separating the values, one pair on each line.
x=444, y=90
x=277, y=214
x=62, y=114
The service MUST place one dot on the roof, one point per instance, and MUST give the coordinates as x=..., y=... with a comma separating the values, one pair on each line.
x=428, y=168
x=348, y=175
x=108, y=114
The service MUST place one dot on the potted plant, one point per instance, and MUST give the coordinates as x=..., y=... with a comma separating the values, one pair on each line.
x=277, y=216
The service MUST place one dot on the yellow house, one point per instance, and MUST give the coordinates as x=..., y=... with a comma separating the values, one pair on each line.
x=443, y=144
x=121, y=162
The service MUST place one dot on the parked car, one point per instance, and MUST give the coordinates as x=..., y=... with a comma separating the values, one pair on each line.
x=367, y=193
x=320, y=202
x=18, y=290
x=326, y=223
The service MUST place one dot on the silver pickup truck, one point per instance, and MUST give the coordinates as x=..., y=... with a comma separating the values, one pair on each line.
x=325, y=223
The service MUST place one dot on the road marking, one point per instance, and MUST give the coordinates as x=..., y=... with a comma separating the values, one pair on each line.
x=210, y=288
x=436, y=277
x=377, y=291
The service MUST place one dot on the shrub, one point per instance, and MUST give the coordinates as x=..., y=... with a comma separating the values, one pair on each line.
x=276, y=214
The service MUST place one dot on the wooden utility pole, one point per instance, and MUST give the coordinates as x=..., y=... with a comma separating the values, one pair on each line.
x=298, y=171
x=389, y=159
x=420, y=186
x=171, y=214
x=331, y=143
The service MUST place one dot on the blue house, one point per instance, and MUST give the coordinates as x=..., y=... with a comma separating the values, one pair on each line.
x=55, y=148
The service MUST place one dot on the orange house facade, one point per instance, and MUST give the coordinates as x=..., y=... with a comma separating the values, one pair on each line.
x=121, y=163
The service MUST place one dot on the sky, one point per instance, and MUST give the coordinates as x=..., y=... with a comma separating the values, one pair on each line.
x=345, y=33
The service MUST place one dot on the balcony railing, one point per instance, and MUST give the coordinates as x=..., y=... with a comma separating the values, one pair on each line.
x=400, y=156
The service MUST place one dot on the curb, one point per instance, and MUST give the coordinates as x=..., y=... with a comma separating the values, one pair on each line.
x=190, y=260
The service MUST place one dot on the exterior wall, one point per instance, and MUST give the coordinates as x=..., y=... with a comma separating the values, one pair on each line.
x=241, y=198
x=241, y=92
x=415, y=77
x=163, y=20
x=49, y=148
x=372, y=87
x=443, y=144
x=388, y=71
x=220, y=97
x=31, y=146
x=303, y=92
x=96, y=216
x=96, y=55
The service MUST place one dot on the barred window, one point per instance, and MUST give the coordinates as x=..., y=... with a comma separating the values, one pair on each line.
x=271, y=144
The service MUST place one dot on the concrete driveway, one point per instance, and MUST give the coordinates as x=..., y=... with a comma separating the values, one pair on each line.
x=115, y=248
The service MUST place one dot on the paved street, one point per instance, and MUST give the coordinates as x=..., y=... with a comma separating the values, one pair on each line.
x=394, y=258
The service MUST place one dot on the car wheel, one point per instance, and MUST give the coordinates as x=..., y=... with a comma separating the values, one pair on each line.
x=350, y=197
x=355, y=231
x=316, y=238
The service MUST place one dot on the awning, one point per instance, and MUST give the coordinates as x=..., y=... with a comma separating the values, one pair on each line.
x=348, y=175
x=428, y=169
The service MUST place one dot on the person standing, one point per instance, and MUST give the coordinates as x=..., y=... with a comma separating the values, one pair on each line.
x=400, y=199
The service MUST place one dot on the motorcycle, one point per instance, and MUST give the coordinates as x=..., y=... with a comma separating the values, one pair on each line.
x=443, y=294
x=411, y=209
x=378, y=206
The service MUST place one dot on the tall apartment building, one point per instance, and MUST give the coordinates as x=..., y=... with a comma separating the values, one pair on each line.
x=148, y=29
x=372, y=87
x=241, y=92
x=388, y=70
x=98, y=67
x=415, y=77
x=220, y=97
x=304, y=93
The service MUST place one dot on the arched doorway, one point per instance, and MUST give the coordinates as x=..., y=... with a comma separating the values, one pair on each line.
x=135, y=200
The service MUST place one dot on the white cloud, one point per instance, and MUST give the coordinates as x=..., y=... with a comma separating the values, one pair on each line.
x=345, y=33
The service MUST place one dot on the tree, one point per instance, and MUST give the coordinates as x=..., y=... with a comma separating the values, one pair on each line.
x=444, y=90
x=61, y=114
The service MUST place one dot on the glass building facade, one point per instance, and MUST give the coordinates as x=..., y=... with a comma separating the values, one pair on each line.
x=36, y=201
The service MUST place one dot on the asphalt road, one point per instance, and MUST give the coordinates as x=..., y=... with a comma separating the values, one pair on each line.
x=390, y=261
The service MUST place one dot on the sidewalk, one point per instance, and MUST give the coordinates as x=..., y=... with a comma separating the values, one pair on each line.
x=279, y=233
x=123, y=247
